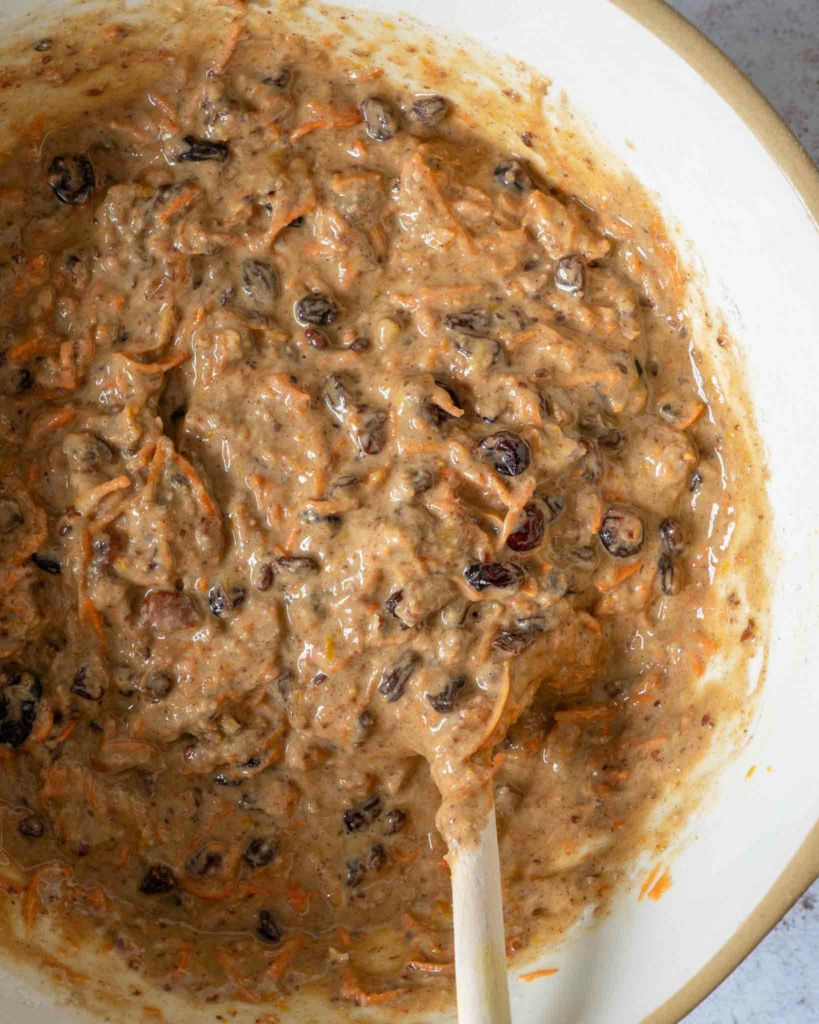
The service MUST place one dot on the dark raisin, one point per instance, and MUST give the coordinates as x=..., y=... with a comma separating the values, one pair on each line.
x=695, y=482
x=316, y=309
x=622, y=532
x=570, y=275
x=672, y=536
x=394, y=679
x=363, y=814
x=158, y=880
x=204, y=863
x=508, y=452
x=260, y=283
x=72, y=179
x=366, y=720
x=590, y=464
x=513, y=641
x=266, y=574
x=43, y=44
x=87, y=685
x=379, y=119
x=394, y=821
x=316, y=339
x=555, y=504
x=32, y=826
x=482, y=575
x=428, y=110
x=18, y=704
x=513, y=175
x=474, y=322
x=613, y=440
x=224, y=780
x=377, y=857
x=268, y=929
x=359, y=344
x=355, y=873
x=157, y=685
x=260, y=852
x=393, y=601
x=338, y=393
x=670, y=576
x=222, y=600
x=25, y=381
x=47, y=564
x=300, y=566
x=528, y=533
x=282, y=80
x=421, y=480
x=444, y=701
x=200, y=150
x=371, y=434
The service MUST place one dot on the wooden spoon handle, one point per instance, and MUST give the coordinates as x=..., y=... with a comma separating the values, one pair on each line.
x=480, y=947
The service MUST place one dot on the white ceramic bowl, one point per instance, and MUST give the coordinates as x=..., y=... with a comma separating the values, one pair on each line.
x=729, y=172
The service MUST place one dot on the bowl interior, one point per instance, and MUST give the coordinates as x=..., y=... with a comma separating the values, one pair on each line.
x=755, y=246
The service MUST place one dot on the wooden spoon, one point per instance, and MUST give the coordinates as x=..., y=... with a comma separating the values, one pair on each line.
x=480, y=946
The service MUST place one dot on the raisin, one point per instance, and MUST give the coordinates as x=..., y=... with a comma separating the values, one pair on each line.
x=672, y=536
x=394, y=679
x=444, y=701
x=393, y=601
x=474, y=322
x=669, y=575
x=508, y=452
x=513, y=641
x=32, y=826
x=570, y=275
x=513, y=175
x=355, y=873
x=87, y=685
x=223, y=600
x=300, y=566
x=282, y=80
x=19, y=699
x=268, y=929
x=158, y=881
x=395, y=820
x=200, y=150
x=379, y=119
x=50, y=565
x=260, y=852
x=363, y=814
x=260, y=283
x=528, y=534
x=204, y=863
x=428, y=110
x=72, y=179
x=482, y=575
x=622, y=532
x=377, y=857
x=316, y=309
x=371, y=434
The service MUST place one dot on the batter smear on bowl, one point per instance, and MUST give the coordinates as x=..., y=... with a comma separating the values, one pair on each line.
x=348, y=462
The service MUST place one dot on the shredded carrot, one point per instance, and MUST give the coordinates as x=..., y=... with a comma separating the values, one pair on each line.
x=176, y=359
x=661, y=886
x=280, y=964
x=10, y=579
x=10, y=887
x=209, y=895
x=345, y=937
x=336, y=119
x=581, y=715
x=403, y=856
x=276, y=226
x=353, y=991
x=534, y=975
x=619, y=574
x=87, y=501
x=182, y=960
x=649, y=881
x=297, y=898
x=181, y=202
x=198, y=488
x=428, y=967
x=46, y=424
x=90, y=616
x=31, y=899
x=234, y=34
x=39, y=524
x=122, y=857
x=25, y=351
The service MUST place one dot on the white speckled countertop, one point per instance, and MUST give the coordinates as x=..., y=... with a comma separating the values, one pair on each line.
x=776, y=43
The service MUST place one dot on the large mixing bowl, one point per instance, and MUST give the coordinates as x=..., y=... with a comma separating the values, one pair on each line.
x=672, y=108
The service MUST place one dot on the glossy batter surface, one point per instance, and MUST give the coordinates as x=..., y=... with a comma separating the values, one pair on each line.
x=346, y=462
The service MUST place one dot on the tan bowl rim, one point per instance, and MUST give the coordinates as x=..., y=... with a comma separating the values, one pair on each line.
x=792, y=159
